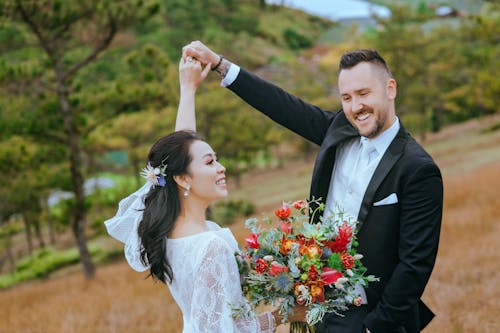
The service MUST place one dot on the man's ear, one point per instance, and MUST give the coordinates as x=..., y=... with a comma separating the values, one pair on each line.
x=182, y=181
x=391, y=89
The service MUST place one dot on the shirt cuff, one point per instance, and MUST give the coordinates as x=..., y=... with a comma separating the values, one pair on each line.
x=231, y=75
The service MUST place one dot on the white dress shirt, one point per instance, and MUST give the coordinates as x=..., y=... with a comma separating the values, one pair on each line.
x=350, y=179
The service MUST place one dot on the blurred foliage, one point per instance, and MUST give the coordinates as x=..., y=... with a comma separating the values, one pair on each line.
x=445, y=71
x=43, y=262
x=225, y=212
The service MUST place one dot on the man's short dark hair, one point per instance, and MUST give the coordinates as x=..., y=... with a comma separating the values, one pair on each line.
x=351, y=59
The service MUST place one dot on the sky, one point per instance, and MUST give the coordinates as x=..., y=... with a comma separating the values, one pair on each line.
x=335, y=9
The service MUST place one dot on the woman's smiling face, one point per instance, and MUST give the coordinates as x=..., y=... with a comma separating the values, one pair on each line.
x=207, y=179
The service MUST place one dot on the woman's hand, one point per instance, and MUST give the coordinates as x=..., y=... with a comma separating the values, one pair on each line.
x=191, y=74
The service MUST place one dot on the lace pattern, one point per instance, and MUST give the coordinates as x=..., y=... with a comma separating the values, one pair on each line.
x=206, y=284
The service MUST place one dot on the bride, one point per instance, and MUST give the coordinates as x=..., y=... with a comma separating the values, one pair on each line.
x=164, y=228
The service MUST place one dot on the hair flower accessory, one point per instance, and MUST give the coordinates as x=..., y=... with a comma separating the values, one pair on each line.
x=156, y=176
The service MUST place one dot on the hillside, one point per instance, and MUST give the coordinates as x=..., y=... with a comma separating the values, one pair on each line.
x=462, y=290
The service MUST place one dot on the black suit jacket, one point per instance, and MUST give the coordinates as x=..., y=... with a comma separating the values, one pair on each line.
x=399, y=241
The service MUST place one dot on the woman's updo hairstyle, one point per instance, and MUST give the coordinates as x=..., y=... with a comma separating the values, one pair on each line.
x=162, y=203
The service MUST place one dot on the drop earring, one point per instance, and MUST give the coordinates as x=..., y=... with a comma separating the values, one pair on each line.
x=186, y=192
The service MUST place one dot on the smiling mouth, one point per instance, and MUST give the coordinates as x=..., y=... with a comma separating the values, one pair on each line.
x=362, y=116
x=221, y=182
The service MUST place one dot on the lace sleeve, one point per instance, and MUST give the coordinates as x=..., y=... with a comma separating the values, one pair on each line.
x=217, y=289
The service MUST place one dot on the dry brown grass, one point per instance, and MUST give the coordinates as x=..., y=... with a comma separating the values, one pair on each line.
x=464, y=289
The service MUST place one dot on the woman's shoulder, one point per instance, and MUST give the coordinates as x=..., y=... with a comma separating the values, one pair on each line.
x=212, y=226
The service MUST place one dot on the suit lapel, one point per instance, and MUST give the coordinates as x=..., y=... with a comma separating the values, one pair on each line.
x=391, y=156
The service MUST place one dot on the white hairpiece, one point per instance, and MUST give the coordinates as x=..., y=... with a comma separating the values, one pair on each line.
x=124, y=226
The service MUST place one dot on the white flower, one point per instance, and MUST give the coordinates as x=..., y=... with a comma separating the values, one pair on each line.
x=349, y=272
x=151, y=174
x=268, y=258
x=358, y=256
x=339, y=284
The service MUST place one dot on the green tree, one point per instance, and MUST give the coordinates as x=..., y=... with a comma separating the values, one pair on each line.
x=67, y=36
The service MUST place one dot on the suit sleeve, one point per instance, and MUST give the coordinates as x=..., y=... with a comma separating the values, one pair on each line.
x=421, y=212
x=306, y=120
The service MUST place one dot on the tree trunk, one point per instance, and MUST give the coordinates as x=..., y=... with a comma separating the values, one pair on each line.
x=38, y=231
x=74, y=151
x=10, y=254
x=29, y=238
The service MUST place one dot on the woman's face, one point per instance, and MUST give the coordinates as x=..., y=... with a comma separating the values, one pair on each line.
x=207, y=177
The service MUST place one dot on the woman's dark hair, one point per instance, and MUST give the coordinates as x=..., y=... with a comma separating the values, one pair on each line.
x=162, y=204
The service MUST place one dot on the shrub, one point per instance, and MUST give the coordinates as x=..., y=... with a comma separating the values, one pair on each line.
x=225, y=212
x=43, y=262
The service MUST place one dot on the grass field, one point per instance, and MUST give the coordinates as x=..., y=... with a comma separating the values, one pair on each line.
x=464, y=290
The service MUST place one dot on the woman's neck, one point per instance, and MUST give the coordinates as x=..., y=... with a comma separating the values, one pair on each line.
x=191, y=221
x=193, y=211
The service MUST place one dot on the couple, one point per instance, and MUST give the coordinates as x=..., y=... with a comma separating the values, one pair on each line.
x=367, y=163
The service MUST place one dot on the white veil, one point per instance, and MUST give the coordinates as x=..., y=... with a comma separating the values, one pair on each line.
x=124, y=226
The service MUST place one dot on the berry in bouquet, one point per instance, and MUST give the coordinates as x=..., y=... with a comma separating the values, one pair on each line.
x=288, y=261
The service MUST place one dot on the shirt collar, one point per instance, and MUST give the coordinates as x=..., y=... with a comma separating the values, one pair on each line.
x=382, y=142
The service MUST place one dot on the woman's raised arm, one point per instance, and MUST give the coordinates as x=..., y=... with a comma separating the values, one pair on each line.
x=190, y=77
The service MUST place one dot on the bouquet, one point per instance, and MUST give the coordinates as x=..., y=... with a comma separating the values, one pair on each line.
x=297, y=262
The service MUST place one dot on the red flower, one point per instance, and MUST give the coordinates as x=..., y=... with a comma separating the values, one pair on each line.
x=299, y=204
x=253, y=241
x=347, y=260
x=286, y=227
x=300, y=239
x=283, y=213
x=260, y=265
x=330, y=276
x=342, y=240
x=313, y=273
x=277, y=268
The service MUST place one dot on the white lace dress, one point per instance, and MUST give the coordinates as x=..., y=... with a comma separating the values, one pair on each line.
x=206, y=283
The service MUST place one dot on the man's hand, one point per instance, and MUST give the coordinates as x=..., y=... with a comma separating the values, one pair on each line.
x=201, y=52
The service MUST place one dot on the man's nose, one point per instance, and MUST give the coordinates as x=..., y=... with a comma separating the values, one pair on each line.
x=356, y=104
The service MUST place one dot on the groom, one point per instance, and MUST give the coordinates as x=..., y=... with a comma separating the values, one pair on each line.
x=370, y=166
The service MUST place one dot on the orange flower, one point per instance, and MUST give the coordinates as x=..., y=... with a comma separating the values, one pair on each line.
x=314, y=251
x=310, y=248
x=317, y=291
x=284, y=212
x=286, y=245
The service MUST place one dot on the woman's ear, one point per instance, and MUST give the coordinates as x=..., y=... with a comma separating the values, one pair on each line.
x=182, y=181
